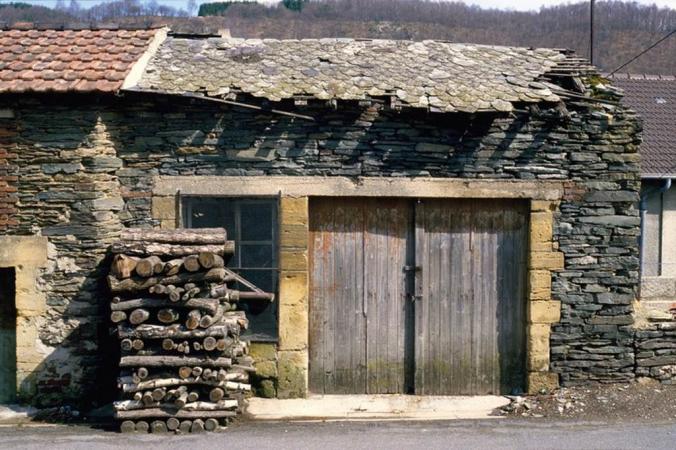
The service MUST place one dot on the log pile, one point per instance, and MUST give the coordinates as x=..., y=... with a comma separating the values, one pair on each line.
x=183, y=367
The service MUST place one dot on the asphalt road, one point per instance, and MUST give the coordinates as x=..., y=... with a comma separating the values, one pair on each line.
x=485, y=435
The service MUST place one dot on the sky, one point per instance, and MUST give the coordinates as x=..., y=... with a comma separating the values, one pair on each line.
x=520, y=5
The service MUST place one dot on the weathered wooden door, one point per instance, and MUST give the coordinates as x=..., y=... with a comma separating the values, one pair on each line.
x=470, y=308
x=424, y=297
x=358, y=251
x=7, y=336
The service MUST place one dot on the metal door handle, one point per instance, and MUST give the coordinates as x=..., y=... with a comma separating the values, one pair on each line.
x=412, y=268
x=414, y=298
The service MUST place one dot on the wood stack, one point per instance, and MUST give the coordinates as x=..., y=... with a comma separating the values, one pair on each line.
x=183, y=367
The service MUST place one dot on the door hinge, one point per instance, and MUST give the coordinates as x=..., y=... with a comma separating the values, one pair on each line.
x=414, y=298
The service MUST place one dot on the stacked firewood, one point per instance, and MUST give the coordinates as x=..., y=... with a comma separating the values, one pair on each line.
x=183, y=367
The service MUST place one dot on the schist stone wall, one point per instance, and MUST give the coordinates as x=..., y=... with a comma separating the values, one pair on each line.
x=86, y=168
x=8, y=176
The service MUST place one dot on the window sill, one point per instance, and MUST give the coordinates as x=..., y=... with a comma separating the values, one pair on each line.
x=258, y=337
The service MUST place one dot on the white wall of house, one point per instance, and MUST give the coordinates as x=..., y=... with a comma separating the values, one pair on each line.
x=658, y=284
x=669, y=233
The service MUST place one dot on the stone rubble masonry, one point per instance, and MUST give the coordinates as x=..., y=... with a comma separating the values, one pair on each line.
x=8, y=170
x=85, y=169
x=655, y=347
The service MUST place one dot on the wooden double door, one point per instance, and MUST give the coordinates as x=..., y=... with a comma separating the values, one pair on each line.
x=417, y=296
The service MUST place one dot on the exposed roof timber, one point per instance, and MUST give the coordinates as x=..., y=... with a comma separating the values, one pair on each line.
x=222, y=101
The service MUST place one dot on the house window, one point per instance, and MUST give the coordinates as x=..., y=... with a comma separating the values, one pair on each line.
x=252, y=224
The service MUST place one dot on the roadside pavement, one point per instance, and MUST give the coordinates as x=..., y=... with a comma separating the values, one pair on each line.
x=481, y=434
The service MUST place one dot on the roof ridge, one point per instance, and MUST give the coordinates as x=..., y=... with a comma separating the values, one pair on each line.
x=643, y=76
x=75, y=26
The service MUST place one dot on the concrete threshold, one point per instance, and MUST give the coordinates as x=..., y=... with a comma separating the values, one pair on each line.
x=380, y=407
x=16, y=414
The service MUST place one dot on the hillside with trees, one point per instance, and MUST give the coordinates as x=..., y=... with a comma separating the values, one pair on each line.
x=623, y=29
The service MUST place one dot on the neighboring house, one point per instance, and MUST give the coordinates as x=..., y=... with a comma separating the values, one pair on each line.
x=434, y=218
x=653, y=97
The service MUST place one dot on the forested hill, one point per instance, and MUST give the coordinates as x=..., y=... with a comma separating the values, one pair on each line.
x=623, y=29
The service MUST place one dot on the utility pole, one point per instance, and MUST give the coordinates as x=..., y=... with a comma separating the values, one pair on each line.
x=591, y=32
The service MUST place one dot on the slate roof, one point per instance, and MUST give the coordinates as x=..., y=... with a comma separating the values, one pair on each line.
x=437, y=75
x=654, y=99
x=69, y=60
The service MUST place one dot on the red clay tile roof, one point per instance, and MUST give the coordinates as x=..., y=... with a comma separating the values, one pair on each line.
x=69, y=60
x=653, y=97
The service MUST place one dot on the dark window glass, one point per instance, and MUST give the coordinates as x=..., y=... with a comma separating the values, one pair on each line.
x=252, y=224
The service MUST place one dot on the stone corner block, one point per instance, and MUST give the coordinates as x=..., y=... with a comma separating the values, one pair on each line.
x=164, y=208
x=542, y=381
x=293, y=327
x=538, y=346
x=293, y=260
x=544, y=312
x=292, y=381
x=293, y=235
x=293, y=288
x=546, y=260
x=294, y=210
x=539, y=285
x=541, y=227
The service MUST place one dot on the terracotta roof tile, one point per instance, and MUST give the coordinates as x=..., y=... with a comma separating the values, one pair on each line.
x=69, y=60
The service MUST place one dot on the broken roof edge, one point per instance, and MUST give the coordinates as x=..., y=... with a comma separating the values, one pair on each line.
x=266, y=108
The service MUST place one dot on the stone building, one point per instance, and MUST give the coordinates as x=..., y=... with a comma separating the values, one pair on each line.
x=433, y=217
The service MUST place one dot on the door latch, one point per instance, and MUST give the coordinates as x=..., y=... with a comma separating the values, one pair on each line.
x=414, y=298
x=412, y=268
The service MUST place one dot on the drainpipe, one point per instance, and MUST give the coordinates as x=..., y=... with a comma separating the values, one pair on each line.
x=643, y=206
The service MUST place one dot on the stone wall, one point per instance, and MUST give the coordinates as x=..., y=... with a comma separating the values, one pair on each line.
x=597, y=228
x=8, y=176
x=87, y=168
x=655, y=348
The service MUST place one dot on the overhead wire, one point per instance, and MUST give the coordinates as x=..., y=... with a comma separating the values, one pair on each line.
x=643, y=52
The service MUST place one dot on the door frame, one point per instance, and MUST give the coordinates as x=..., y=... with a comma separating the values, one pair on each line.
x=291, y=351
x=28, y=256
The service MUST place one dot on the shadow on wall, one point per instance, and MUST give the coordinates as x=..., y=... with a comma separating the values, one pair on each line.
x=68, y=192
x=78, y=369
x=178, y=137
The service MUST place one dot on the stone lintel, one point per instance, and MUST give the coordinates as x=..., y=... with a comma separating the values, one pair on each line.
x=319, y=186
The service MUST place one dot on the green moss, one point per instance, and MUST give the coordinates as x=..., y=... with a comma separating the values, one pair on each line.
x=261, y=351
x=266, y=369
x=291, y=380
x=265, y=389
